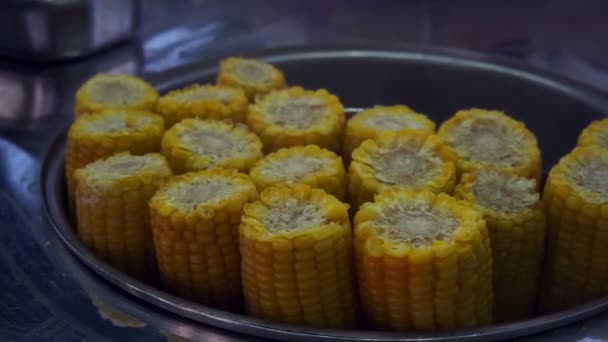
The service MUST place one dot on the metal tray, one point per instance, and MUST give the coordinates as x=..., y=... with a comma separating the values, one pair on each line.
x=435, y=82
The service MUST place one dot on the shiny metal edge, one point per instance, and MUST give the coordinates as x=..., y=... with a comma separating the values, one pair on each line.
x=53, y=185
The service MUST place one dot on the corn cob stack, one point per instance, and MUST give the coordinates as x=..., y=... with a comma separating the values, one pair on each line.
x=254, y=77
x=111, y=207
x=296, y=253
x=311, y=165
x=195, y=219
x=296, y=117
x=423, y=262
x=195, y=144
x=369, y=123
x=102, y=134
x=596, y=134
x=117, y=92
x=491, y=138
x=205, y=102
x=404, y=159
x=576, y=202
x=516, y=223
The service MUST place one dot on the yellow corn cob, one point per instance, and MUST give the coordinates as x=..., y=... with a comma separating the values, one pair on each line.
x=368, y=123
x=195, y=144
x=114, y=92
x=491, y=138
x=195, y=220
x=296, y=253
x=596, y=134
x=404, y=159
x=576, y=202
x=423, y=262
x=296, y=117
x=102, y=134
x=516, y=223
x=112, y=209
x=254, y=77
x=311, y=165
x=205, y=102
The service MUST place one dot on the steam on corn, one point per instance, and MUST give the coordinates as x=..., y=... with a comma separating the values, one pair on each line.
x=195, y=144
x=516, y=223
x=254, y=77
x=114, y=92
x=596, y=134
x=491, y=138
x=296, y=253
x=368, y=123
x=205, y=102
x=195, y=220
x=576, y=202
x=423, y=262
x=111, y=207
x=295, y=117
x=311, y=165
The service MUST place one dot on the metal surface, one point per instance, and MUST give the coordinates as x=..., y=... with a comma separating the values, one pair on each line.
x=51, y=30
x=433, y=81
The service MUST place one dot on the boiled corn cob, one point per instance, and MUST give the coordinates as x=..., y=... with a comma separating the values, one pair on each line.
x=295, y=117
x=491, y=138
x=195, y=144
x=311, y=165
x=516, y=223
x=296, y=253
x=596, y=134
x=576, y=202
x=102, y=134
x=195, y=219
x=205, y=102
x=114, y=92
x=368, y=123
x=404, y=159
x=254, y=77
x=423, y=262
x=112, y=197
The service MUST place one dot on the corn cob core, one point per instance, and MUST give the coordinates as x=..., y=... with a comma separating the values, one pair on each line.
x=423, y=262
x=296, y=117
x=491, y=138
x=114, y=92
x=368, y=123
x=311, y=165
x=111, y=199
x=296, y=252
x=596, y=134
x=195, y=144
x=195, y=220
x=404, y=159
x=254, y=77
x=516, y=223
x=102, y=134
x=203, y=101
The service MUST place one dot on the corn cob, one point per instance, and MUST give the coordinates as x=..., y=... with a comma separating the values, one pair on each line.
x=205, y=102
x=254, y=77
x=296, y=253
x=596, y=134
x=404, y=159
x=516, y=224
x=576, y=202
x=368, y=123
x=195, y=219
x=296, y=117
x=311, y=165
x=102, y=134
x=491, y=138
x=423, y=262
x=114, y=92
x=195, y=144
x=112, y=196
